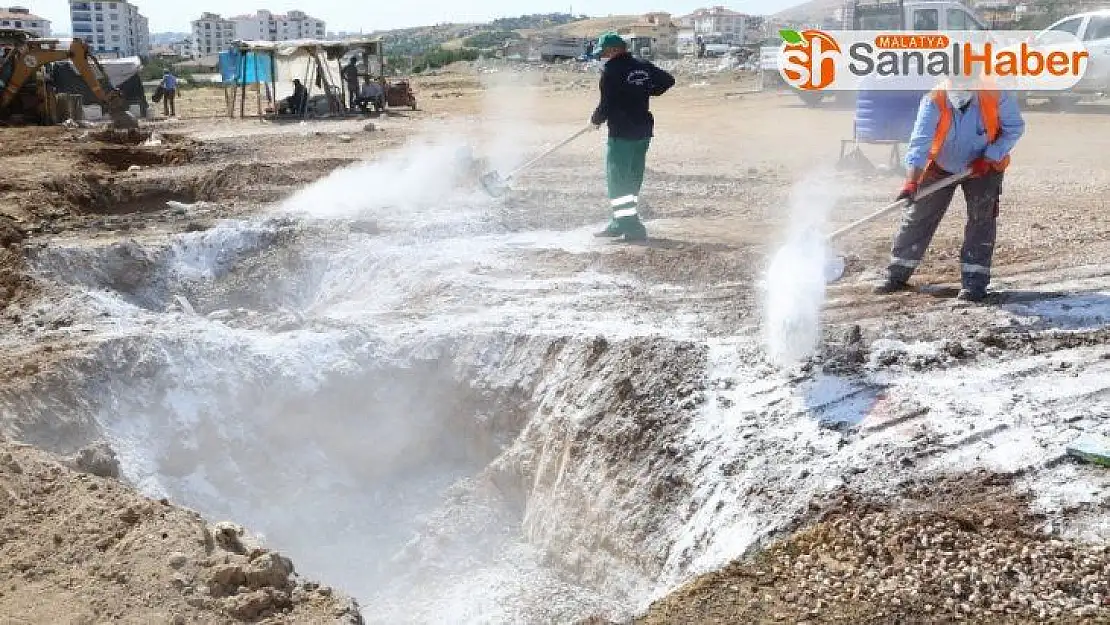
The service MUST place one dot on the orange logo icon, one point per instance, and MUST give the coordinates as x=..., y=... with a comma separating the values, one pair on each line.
x=809, y=59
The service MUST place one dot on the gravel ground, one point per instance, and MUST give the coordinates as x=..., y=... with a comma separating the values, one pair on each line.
x=961, y=549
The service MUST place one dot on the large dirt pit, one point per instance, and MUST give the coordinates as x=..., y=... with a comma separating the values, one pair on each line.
x=464, y=410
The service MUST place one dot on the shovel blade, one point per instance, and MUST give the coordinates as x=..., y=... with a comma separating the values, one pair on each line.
x=494, y=184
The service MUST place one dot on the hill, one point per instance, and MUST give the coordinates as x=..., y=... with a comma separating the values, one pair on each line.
x=421, y=39
x=813, y=11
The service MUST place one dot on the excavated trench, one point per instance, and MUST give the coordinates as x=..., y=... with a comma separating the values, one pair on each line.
x=457, y=418
x=434, y=465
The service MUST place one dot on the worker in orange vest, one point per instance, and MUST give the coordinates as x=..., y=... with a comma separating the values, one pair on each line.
x=961, y=125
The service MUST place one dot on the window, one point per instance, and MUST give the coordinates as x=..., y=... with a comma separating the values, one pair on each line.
x=115, y=37
x=1069, y=26
x=957, y=20
x=115, y=26
x=114, y=17
x=926, y=19
x=98, y=6
x=1098, y=28
x=111, y=5
x=5, y=23
x=19, y=24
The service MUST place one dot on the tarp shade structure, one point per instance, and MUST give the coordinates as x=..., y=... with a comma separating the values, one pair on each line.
x=259, y=68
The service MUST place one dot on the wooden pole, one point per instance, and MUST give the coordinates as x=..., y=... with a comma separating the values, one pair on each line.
x=243, y=82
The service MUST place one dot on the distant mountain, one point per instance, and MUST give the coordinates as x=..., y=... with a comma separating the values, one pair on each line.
x=164, y=39
x=415, y=41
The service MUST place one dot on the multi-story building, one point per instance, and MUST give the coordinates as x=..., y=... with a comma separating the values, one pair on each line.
x=659, y=29
x=19, y=18
x=111, y=28
x=717, y=23
x=211, y=35
x=266, y=26
x=183, y=48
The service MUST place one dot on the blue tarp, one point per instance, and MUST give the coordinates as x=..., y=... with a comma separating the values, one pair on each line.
x=259, y=67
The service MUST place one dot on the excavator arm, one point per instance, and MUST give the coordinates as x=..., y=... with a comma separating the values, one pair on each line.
x=27, y=58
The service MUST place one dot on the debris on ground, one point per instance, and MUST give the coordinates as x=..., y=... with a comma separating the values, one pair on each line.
x=79, y=548
x=963, y=549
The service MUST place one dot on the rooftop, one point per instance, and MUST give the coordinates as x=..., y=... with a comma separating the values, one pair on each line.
x=18, y=13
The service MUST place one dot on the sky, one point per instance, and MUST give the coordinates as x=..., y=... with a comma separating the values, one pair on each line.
x=356, y=15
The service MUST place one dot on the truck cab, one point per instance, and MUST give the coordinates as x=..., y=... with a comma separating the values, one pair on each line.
x=890, y=16
x=916, y=15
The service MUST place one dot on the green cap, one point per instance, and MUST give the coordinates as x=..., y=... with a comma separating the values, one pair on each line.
x=611, y=40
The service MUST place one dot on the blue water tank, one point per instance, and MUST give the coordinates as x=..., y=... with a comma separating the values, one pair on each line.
x=886, y=115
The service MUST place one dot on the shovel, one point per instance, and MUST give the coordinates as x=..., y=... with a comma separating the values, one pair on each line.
x=834, y=266
x=496, y=185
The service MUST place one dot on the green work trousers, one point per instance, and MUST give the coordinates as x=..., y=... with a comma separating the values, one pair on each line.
x=624, y=173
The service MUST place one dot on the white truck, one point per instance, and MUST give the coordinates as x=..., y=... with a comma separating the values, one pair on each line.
x=562, y=48
x=1093, y=29
x=886, y=15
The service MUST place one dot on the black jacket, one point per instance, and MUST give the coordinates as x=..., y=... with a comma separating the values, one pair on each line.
x=626, y=85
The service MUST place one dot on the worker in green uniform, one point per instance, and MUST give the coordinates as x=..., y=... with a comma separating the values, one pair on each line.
x=627, y=84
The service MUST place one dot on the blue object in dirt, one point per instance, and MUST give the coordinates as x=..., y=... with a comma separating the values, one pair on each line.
x=886, y=115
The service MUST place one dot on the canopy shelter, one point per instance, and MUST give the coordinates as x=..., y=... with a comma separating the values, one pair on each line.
x=274, y=65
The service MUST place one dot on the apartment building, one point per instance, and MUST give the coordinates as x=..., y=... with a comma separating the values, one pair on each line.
x=111, y=28
x=267, y=26
x=657, y=27
x=211, y=35
x=717, y=23
x=19, y=18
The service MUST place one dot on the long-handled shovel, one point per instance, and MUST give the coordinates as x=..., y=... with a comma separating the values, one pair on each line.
x=496, y=185
x=834, y=267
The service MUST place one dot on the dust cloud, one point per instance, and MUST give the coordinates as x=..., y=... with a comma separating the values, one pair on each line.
x=794, y=284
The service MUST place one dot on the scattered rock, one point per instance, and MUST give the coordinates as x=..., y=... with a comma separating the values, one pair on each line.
x=369, y=127
x=98, y=459
x=177, y=560
x=269, y=570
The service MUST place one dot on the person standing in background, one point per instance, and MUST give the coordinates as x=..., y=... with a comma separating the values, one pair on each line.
x=627, y=84
x=169, y=94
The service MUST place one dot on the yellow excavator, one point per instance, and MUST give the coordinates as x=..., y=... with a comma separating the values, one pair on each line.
x=26, y=89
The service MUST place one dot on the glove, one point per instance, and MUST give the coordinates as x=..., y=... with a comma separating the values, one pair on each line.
x=909, y=190
x=981, y=167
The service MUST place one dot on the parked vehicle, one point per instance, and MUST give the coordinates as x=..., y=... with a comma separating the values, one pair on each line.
x=562, y=48
x=1093, y=30
x=889, y=15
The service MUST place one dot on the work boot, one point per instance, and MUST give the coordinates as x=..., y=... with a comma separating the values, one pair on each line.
x=612, y=231
x=890, y=285
x=972, y=294
x=633, y=229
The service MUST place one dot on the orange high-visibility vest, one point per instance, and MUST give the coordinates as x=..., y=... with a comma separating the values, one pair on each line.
x=988, y=107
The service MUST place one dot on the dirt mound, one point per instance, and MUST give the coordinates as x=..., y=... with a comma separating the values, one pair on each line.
x=961, y=549
x=90, y=193
x=121, y=158
x=15, y=284
x=263, y=181
x=76, y=548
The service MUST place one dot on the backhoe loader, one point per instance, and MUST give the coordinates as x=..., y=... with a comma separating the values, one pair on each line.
x=25, y=89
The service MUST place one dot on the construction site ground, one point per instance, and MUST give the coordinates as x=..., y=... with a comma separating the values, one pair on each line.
x=912, y=471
